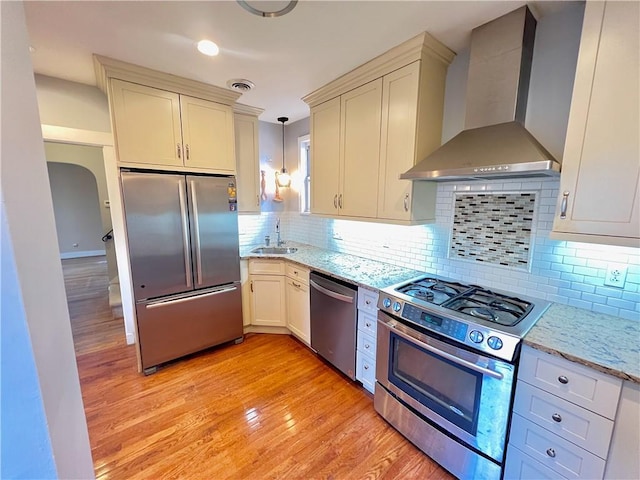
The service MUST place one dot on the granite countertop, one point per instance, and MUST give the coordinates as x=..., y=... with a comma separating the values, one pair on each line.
x=364, y=272
x=602, y=342
x=599, y=341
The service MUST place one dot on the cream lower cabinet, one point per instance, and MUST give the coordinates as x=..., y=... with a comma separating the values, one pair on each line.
x=247, y=163
x=366, y=338
x=298, y=308
x=600, y=180
x=563, y=419
x=158, y=128
x=267, y=289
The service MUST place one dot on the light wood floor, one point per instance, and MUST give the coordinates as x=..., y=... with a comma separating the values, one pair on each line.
x=265, y=409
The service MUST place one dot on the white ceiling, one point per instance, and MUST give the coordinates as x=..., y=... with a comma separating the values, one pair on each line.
x=286, y=57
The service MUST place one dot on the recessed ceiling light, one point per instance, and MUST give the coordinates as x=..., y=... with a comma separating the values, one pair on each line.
x=209, y=48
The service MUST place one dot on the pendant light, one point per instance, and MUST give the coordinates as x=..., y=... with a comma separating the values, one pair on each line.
x=283, y=178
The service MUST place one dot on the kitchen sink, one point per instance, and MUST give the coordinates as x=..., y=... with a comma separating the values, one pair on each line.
x=274, y=250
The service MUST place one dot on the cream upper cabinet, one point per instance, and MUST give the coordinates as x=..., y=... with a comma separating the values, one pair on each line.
x=599, y=197
x=207, y=134
x=412, y=108
x=360, y=117
x=165, y=129
x=147, y=124
x=247, y=163
x=379, y=120
x=324, y=125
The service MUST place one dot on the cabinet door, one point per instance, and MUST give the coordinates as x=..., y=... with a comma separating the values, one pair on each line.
x=247, y=163
x=600, y=171
x=325, y=157
x=298, y=316
x=207, y=132
x=147, y=124
x=361, y=116
x=398, y=142
x=268, y=300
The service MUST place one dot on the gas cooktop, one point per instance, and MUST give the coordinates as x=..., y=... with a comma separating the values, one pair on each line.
x=487, y=320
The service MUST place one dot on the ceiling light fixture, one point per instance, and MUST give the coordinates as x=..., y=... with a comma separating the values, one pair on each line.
x=207, y=47
x=283, y=178
x=270, y=14
x=240, y=84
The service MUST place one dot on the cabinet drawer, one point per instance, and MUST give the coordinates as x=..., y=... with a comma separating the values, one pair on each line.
x=366, y=343
x=561, y=455
x=266, y=267
x=578, y=384
x=367, y=323
x=297, y=272
x=582, y=427
x=521, y=466
x=366, y=370
x=367, y=300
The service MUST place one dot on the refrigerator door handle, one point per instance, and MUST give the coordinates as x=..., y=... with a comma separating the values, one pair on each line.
x=196, y=224
x=185, y=233
x=164, y=303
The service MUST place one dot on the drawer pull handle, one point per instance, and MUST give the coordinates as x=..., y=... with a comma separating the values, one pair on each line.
x=551, y=452
x=563, y=205
x=563, y=380
x=556, y=417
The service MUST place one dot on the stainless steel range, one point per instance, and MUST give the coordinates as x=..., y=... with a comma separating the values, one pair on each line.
x=446, y=358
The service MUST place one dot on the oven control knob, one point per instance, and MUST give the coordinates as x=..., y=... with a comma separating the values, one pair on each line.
x=494, y=342
x=396, y=306
x=475, y=336
x=386, y=303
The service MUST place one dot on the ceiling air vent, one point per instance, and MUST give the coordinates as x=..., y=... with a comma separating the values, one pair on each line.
x=240, y=85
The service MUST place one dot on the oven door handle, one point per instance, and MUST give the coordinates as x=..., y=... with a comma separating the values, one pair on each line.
x=441, y=353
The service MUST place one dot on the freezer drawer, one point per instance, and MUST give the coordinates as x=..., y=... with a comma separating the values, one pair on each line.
x=175, y=326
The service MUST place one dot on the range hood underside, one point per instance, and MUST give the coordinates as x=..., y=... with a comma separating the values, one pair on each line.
x=493, y=150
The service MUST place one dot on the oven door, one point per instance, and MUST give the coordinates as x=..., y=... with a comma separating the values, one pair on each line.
x=463, y=393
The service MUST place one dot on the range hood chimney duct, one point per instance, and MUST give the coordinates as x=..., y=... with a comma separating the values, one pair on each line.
x=494, y=142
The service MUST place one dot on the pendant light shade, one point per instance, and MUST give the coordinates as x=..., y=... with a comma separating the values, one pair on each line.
x=282, y=177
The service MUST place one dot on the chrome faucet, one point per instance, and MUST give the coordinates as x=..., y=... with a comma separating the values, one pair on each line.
x=279, y=242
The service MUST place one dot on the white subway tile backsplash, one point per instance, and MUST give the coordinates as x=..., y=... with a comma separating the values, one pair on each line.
x=564, y=272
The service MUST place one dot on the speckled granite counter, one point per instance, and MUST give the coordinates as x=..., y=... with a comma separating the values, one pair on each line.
x=603, y=342
x=361, y=271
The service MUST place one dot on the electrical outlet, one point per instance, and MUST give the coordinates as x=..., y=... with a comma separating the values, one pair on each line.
x=616, y=275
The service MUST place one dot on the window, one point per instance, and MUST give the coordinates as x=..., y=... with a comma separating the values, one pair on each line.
x=304, y=167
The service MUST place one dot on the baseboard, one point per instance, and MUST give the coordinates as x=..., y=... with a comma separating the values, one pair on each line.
x=131, y=339
x=85, y=253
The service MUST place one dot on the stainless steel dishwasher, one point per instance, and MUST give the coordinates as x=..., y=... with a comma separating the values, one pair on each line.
x=334, y=321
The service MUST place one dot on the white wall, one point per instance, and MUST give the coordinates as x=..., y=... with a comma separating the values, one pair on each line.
x=40, y=288
x=71, y=104
x=77, y=213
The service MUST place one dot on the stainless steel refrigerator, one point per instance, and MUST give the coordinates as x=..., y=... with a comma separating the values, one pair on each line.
x=182, y=232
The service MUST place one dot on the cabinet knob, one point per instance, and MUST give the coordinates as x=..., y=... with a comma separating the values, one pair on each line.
x=551, y=452
x=563, y=204
x=366, y=367
x=562, y=379
x=368, y=324
x=556, y=417
x=368, y=302
x=367, y=346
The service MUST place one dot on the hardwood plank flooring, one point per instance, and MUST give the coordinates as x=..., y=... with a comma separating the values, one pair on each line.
x=268, y=408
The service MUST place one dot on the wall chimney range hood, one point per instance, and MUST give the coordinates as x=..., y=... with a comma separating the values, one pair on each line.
x=494, y=143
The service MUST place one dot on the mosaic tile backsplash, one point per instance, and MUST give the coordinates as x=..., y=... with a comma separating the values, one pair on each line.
x=493, y=228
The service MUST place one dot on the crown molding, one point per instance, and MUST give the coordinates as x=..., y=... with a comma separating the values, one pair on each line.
x=106, y=68
x=417, y=48
x=247, y=109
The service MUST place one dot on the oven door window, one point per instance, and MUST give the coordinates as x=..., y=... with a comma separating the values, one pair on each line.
x=448, y=389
